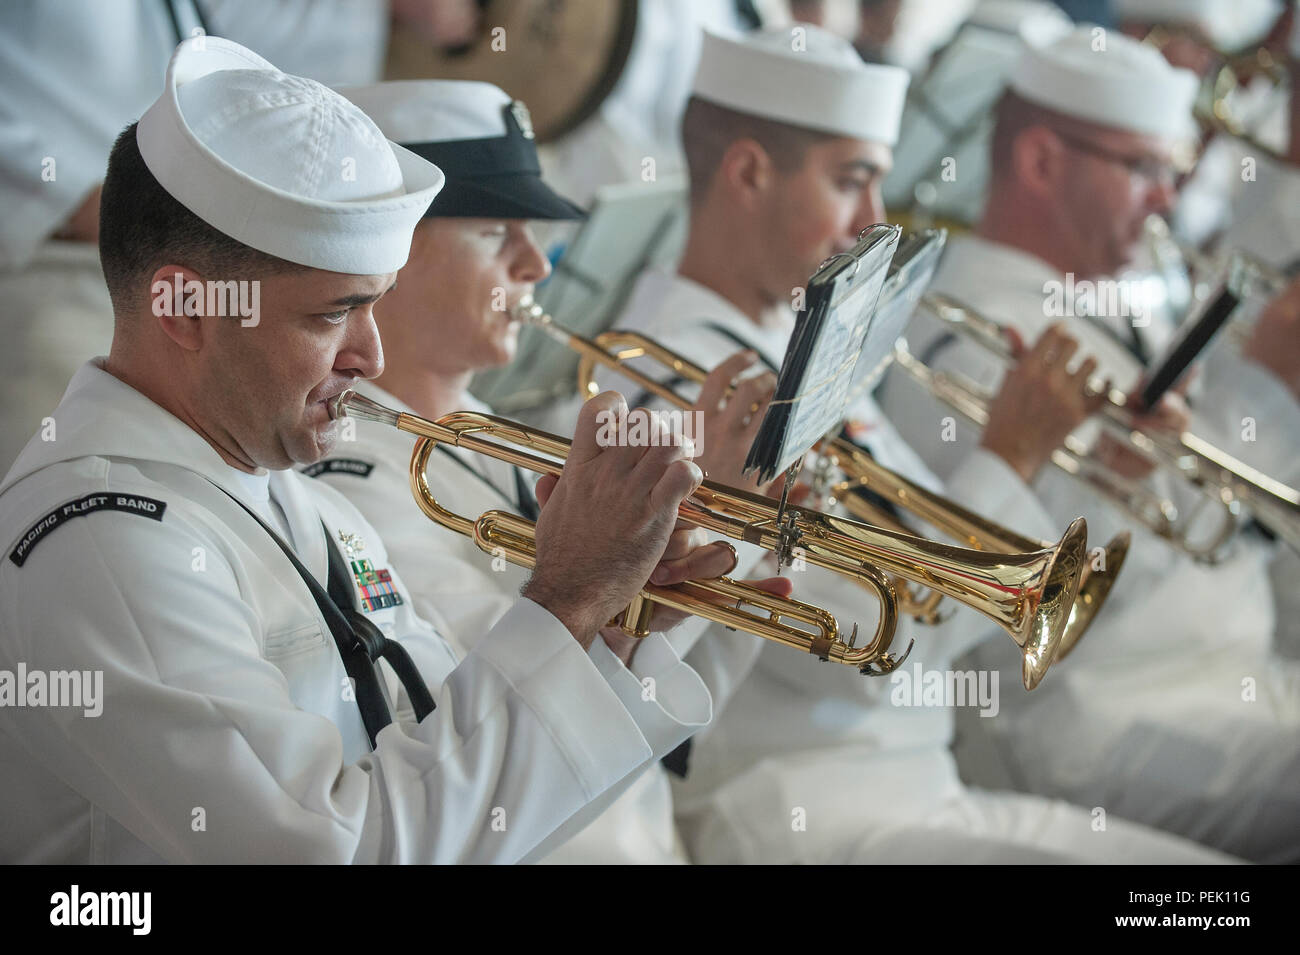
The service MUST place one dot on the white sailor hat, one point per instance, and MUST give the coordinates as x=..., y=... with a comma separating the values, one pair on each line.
x=1104, y=77
x=1227, y=25
x=478, y=136
x=281, y=163
x=803, y=76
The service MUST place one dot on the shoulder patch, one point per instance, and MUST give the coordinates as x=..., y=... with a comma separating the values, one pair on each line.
x=107, y=501
x=339, y=466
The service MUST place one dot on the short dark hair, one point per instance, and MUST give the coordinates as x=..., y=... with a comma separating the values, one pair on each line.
x=142, y=226
x=709, y=129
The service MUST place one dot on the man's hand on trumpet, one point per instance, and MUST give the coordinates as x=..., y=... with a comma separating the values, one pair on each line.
x=1040, y=402
x=609, y=525
x=733, y=408
x=732, y=411
x=688, y=556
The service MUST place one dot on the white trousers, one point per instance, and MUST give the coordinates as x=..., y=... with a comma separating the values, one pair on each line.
x=848, y=804
x=1208, y=749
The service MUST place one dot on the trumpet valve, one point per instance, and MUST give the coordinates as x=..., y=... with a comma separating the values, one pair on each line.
x=636, y=618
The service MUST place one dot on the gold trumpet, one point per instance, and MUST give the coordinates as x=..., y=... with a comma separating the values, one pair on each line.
x=861, y=470
x=1213, y=109
x=1029, y=595
x=614, y=349
x=1224, y=482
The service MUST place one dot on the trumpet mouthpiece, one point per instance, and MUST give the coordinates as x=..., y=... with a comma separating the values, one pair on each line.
x=354, y=405
x=527, y=310
x=338, y=405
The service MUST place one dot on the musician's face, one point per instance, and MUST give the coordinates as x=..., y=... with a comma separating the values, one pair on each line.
x=1111, y=185
x=819, y=209
x=260, y=386
x=448, y=313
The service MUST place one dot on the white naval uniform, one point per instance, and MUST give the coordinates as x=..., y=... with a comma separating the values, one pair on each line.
x=227, y=731
x=1264, y=222
x=868, y=780
x=471, y=590
x=1265, y=225
x=641, y=117
x=1147, y=717
x=74, y=75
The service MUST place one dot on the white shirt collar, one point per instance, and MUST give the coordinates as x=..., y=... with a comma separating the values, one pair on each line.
x=666, y=303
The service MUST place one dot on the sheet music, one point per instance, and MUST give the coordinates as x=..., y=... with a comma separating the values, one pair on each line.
x=817, y=373
x=910, y=273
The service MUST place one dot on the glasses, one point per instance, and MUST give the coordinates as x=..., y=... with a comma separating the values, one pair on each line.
x=1156, y=171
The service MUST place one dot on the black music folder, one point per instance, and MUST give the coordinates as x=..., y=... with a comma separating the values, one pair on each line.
x=816, y=379
x=1193, y=337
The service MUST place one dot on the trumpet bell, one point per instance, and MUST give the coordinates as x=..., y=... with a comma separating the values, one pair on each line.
x=1029, y=594
x=1093, y=591
x=1044, y=624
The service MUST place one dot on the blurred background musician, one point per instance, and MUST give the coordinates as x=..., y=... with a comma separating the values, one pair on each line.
x=1151, y=718
x=779, y=181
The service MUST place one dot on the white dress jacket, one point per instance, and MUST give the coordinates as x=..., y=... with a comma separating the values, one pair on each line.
x=227, y=729
x=471, y=589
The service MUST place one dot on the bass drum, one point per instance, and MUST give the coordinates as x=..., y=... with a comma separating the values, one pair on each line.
x=561, y=57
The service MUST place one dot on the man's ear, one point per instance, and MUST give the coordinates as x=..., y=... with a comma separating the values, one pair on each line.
x=746, y=170
x=1038, y=157
x=178, y=302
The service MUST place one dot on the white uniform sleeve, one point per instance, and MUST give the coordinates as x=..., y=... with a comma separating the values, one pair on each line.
x=194, y=717
x=43, y=177
x=665, y=696
x=337, y=42
x=1251, y=412
x=987, y=485
x=1264, y=221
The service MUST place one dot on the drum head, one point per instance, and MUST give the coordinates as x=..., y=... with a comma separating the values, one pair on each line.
x=561, y=57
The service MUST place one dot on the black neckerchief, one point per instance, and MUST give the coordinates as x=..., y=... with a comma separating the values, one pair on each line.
x=360, y=643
